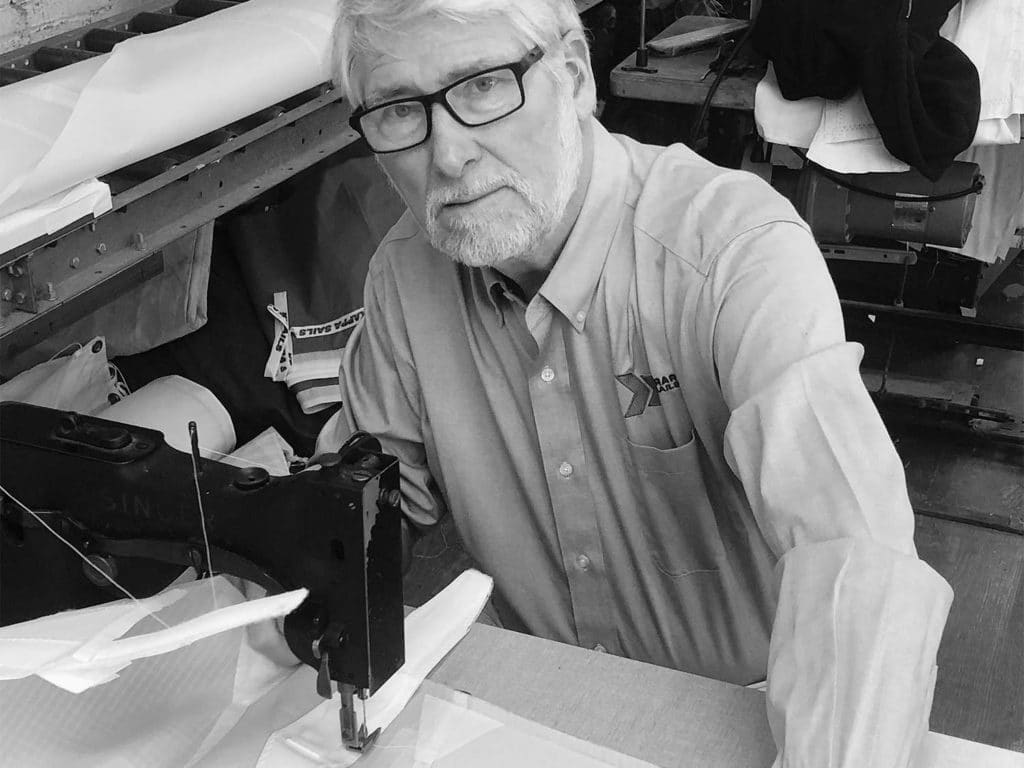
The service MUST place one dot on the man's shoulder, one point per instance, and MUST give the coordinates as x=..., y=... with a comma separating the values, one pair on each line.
x=405, y=254
x=694, y=208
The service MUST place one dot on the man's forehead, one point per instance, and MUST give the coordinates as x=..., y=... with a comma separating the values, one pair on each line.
x=432, y=54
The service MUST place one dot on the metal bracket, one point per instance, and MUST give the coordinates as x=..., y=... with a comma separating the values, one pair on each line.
x=877, y=255
x=17, y=287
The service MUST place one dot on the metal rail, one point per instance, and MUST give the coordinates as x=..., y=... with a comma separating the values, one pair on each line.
x=53, y=280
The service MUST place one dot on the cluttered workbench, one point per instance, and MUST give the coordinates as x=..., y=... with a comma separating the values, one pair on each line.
x=684, y=78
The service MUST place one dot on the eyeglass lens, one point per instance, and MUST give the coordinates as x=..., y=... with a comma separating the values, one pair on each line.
x=476, y=101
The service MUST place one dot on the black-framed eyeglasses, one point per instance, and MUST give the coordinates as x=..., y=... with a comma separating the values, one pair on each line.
x=475, y=100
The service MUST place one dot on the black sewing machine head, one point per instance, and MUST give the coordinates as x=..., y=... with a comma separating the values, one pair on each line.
x=128, y=501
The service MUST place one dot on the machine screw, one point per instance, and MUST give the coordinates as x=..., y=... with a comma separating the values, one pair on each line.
x=7, y=294
x=51, y=294
x=15, y=270
x=139, y=241
x=101, y=248
x=75, y=261
x=19, y=297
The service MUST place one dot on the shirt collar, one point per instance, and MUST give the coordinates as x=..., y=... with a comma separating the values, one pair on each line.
x=572, y=283
x=499, y=290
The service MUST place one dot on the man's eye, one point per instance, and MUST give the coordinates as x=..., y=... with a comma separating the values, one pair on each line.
x=484, y=84
x=399, y=111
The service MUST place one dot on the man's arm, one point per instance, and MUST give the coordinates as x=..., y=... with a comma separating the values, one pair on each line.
x=859, y=617
x=380, y=395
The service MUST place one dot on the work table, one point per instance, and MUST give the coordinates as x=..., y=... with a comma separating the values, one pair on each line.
x=668, y=718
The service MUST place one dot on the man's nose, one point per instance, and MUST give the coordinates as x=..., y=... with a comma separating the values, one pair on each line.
x=454, y=145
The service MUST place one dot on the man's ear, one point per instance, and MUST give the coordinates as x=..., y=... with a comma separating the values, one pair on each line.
x=577, y=64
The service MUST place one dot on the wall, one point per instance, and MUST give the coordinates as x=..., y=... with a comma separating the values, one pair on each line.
x=23, y=22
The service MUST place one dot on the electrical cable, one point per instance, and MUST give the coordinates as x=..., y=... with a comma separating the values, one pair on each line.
x=719, y=77
x=835, y=178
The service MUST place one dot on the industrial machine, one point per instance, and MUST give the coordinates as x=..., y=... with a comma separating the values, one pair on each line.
x=129, y=502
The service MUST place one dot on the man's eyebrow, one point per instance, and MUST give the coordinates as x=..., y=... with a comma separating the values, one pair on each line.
x=387, y=93
x=472, y=67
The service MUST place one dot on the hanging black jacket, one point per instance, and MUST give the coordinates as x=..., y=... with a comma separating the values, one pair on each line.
x=922, y=91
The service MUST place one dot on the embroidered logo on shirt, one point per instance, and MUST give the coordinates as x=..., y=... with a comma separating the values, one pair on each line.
x=646, y=390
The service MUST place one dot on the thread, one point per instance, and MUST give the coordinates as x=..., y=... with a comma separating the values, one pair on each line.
x=73, y=345
x=85, y=559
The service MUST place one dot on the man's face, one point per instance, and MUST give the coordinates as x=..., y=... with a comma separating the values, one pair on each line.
x=488, y=194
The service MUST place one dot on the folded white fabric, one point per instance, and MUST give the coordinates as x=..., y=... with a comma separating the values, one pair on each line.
x=89, y=199
x=267, y=450
x=837, y=134
x=430, y=633
x=77, y=650
x=841, y=134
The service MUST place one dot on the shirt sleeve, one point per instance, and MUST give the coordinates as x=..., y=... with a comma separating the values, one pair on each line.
x=851, y=666
x=380, y=395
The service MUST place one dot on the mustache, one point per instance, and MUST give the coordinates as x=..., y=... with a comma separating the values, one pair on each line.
x=439, y=197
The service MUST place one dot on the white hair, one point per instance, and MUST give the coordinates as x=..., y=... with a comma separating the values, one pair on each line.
x=540, y=23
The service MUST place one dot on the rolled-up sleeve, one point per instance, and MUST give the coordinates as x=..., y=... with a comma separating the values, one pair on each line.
x=380, y=395
x=851, y=665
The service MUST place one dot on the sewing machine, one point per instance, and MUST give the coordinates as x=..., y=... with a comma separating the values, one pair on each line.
x=130, y=502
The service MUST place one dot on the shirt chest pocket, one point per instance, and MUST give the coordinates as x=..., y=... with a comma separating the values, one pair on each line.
x=676, y=521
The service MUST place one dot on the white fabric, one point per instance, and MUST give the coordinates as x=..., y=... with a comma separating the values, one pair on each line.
x=991, y=34
x=161, y=710
x=841, y=135
x=81, y=382
x=999, y=209
x=941, y=751
x=431, y=631
x=268, y=450
x=90, y=198
x=445, y=728
x=835, y=133
x=76, y=650
x=168, y=404
x=156, y=91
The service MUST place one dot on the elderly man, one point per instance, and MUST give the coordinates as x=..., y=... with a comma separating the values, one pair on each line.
x=623, y=371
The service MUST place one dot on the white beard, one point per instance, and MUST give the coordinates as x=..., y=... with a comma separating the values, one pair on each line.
x=515, y=233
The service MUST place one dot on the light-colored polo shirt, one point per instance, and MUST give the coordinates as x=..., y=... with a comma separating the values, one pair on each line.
x=631, y=453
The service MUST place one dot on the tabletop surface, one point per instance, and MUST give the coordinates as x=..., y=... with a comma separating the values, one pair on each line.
x=668, y=718
x=665, y=717
x=679, y=78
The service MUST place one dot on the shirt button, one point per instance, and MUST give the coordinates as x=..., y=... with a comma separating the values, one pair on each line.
x=583, y=562
x=600, y=648
x=565, y=469
x=547, y=374
x=581, y=316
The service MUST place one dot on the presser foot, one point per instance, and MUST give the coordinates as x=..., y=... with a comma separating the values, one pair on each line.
x=354, y=733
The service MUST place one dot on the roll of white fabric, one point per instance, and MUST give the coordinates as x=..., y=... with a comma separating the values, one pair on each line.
x=156, y=91
x=169, y=404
